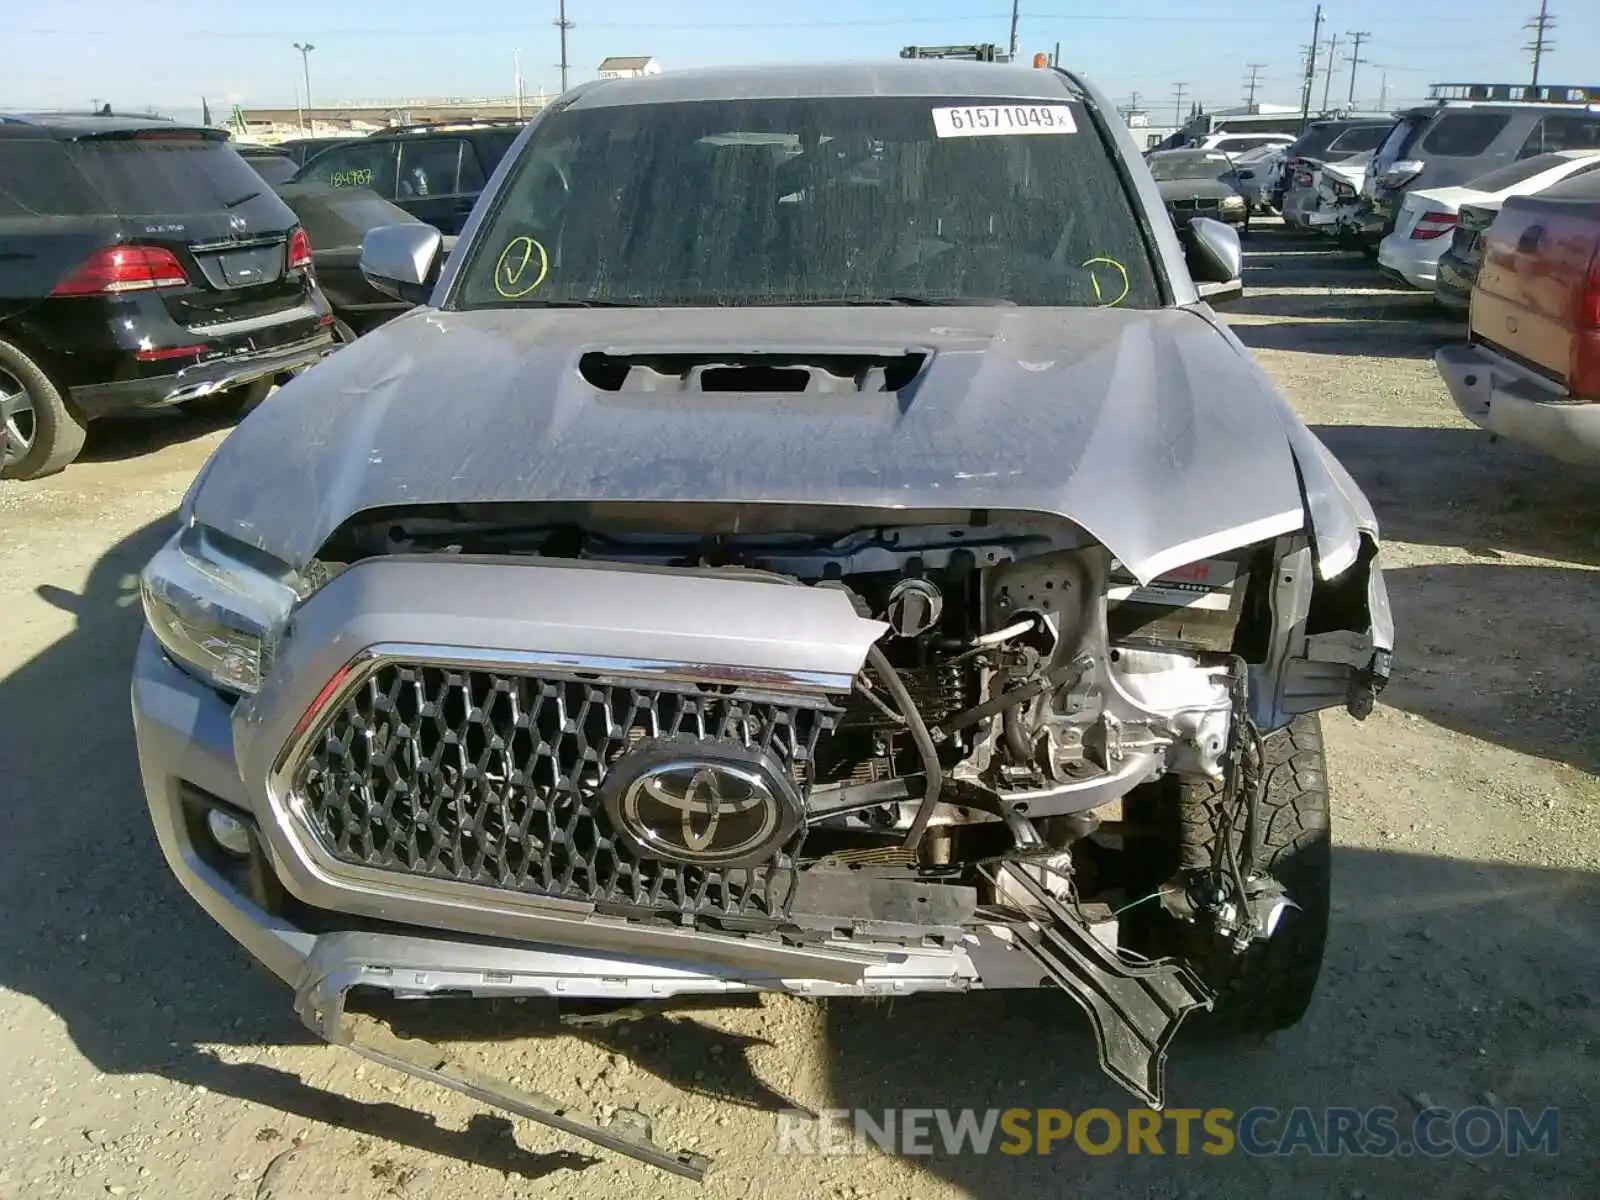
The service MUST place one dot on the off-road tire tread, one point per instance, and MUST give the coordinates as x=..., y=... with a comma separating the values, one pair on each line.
x=58, y=433
x=1270, y=986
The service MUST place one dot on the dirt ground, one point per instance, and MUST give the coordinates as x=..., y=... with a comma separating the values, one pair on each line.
x=144, y=1058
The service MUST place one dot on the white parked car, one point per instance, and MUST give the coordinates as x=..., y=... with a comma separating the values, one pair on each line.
x=1427, y=217
x=1235, y=143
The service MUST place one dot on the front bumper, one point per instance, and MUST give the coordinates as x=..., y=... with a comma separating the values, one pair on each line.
x=196, y=747
x=1235, y=218
x=1504, y=399
x=328, y=924
x=1414, y=261
x=204, y=378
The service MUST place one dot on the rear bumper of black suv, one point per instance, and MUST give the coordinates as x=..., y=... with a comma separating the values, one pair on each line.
x=209, y=375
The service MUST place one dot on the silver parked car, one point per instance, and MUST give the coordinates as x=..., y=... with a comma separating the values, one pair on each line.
x=812, y=535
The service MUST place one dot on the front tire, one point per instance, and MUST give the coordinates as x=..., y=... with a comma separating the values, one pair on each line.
x=1269, y=986
x=41, y=432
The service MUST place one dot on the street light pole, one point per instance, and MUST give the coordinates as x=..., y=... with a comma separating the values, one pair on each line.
x=305, y=49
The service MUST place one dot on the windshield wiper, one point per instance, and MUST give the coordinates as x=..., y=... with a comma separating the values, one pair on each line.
x=577, y=304
x=775, y=302
x=241, y=199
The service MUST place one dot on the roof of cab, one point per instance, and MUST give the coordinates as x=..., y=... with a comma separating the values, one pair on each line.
x=893, y=77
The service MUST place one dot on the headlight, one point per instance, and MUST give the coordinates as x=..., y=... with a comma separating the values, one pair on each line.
x=1233, y=202
x=217, y=606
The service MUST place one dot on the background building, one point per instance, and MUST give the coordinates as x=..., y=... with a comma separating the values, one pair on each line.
x=629, y=68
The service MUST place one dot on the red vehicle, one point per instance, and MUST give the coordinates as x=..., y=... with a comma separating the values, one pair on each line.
x=1531, y=371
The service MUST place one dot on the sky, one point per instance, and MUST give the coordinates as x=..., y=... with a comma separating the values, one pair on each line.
x=170, y=53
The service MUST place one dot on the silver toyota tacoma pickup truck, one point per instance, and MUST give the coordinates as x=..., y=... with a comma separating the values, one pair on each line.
x=813, y=535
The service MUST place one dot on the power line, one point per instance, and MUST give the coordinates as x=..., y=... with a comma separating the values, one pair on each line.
x=411, y=30
x=1177, y=102
x=1356, y=59
x=1540, y=27
x=1250, y=84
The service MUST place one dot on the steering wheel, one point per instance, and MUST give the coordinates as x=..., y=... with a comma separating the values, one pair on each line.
x=947, y=269
x=995, y=272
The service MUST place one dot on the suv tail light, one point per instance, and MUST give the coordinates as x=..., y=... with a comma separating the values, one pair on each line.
x=1584, y=381
x=119, y=269
x=1589, y=300
x=1400, y=173
x=299, y=250
x=1433, y=224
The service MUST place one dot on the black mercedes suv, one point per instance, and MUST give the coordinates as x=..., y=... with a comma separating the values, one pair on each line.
x=145, y=264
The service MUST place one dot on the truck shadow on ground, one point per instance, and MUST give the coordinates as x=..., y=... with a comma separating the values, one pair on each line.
x=1483, y=972
x=1455, y=666
x=130, y=435
x=1304, y=290
x=1445, y=983
x=1352, y=338
x=1455, y=486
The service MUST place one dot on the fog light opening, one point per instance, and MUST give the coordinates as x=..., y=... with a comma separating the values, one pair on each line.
x=228, y=832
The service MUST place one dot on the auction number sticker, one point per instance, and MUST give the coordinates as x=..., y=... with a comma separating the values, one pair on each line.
x=993, y=120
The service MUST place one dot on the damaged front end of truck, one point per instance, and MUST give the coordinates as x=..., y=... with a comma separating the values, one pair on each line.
x=627, y=750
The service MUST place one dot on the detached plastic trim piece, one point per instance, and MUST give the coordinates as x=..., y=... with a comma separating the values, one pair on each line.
x=321, y=1005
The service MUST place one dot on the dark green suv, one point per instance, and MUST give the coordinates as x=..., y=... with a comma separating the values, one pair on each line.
x=434, y=172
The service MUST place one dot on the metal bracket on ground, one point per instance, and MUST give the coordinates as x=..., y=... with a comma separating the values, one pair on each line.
x=321, y=1004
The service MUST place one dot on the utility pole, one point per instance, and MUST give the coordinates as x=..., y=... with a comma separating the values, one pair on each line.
x=1311, y=70
x=1540, y=27
x=1355, y=60
x=563, y=24
x=1133, y=104
x=516, y=78
x=1015, y=6
x=1327, y=76
x=1255, y=74
x=1177, y=103
x=305, y=49
x=1383, y=86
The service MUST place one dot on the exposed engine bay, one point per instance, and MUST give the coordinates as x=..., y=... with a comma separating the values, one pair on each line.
x=1024, y=679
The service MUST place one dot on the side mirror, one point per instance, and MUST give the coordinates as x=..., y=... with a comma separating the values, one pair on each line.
x=1215, y=259
x=403, y=261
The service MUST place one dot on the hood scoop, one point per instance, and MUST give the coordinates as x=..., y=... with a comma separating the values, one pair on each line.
x=752, y=373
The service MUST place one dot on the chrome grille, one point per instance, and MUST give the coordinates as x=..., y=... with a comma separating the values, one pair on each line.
x=492, y=778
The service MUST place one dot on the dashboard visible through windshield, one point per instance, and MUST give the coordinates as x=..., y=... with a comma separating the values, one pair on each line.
x=860, y=200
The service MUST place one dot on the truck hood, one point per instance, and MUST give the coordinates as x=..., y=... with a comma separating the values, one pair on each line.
x=1152, y=430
